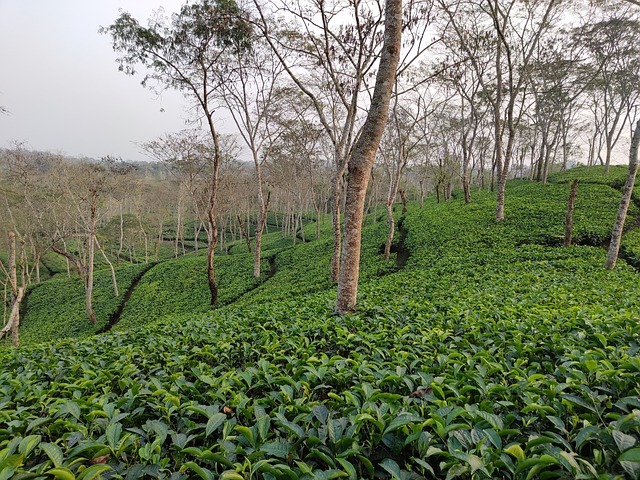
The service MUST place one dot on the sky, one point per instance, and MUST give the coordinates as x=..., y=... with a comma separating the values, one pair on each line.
x=60, y=81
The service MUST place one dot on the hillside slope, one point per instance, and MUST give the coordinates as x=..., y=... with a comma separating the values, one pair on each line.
x=493, y=353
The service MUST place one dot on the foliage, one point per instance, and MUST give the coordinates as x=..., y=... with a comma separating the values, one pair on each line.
x=494, y=353
x=56, y=309
x=179, y=286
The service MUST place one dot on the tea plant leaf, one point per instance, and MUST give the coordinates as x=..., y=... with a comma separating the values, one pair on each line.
x=578, y=401
x=215, y=421
x=61, y=473
x=632, y=455
x=515, y=451
x=112, y=435
x=93, y=472
x=623, y=441
x=321, y=413
x=349, y=468
x=402, y=419
x=37, y=422
x=276, y=449
x=54, y=452
x=392, y=467
x=203, y=473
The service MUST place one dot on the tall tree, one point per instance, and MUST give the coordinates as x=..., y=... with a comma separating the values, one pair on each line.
x=362, y=157
x=509, y=32
x=614, y=55
x=627, y=191
x=329, y=51
x=251, y=96
x=186, y=54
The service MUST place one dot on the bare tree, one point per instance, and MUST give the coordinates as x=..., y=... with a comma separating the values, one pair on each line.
x=251, y=96
x=615, y=57
x=509, y=31
x=186, y=54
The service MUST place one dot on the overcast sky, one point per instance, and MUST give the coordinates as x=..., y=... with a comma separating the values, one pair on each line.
x=60, y=81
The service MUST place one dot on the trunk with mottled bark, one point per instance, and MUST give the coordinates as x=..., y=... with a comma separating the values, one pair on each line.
x=90, y=258
x=568, y=223
x=363, y=154
x=244, y=231
x=627, y=191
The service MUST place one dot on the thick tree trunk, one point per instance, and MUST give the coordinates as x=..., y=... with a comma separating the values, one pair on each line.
x=363, y=155
x=627, y=191
x=568, y=223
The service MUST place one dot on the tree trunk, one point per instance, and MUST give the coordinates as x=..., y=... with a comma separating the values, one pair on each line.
x=16, y=296
x=113, y=272
x=335, y=221
x=70, y=258
x=568, y=223
x=245, y=233
x=13, y=324
x=363, y=154
x=391, y=224
x=90, y=259
x=627, y=191
x=262, y=219
x=213, y=227
x=120, y=237
x=302, y=237
x=403, y=199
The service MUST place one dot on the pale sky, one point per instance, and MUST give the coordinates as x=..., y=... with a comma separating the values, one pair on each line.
x=60, y=81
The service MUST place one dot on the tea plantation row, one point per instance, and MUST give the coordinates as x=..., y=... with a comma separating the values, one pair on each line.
x=494, y=353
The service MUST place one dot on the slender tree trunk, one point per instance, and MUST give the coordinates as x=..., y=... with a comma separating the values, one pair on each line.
x=37, y=263
x=113, y=272
x=213, y=227
x=609, y=148
x=403, y=199
x=90, y=259
x=245, y=233
x=361, y=161
x=262, y=219
x=568, y=223
x=392, y=230
x=16, y=293
x=301, y=223
x=335, y=221
x=158, y=242
x=177, y=233
x=627, y=191
x=120, y=237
